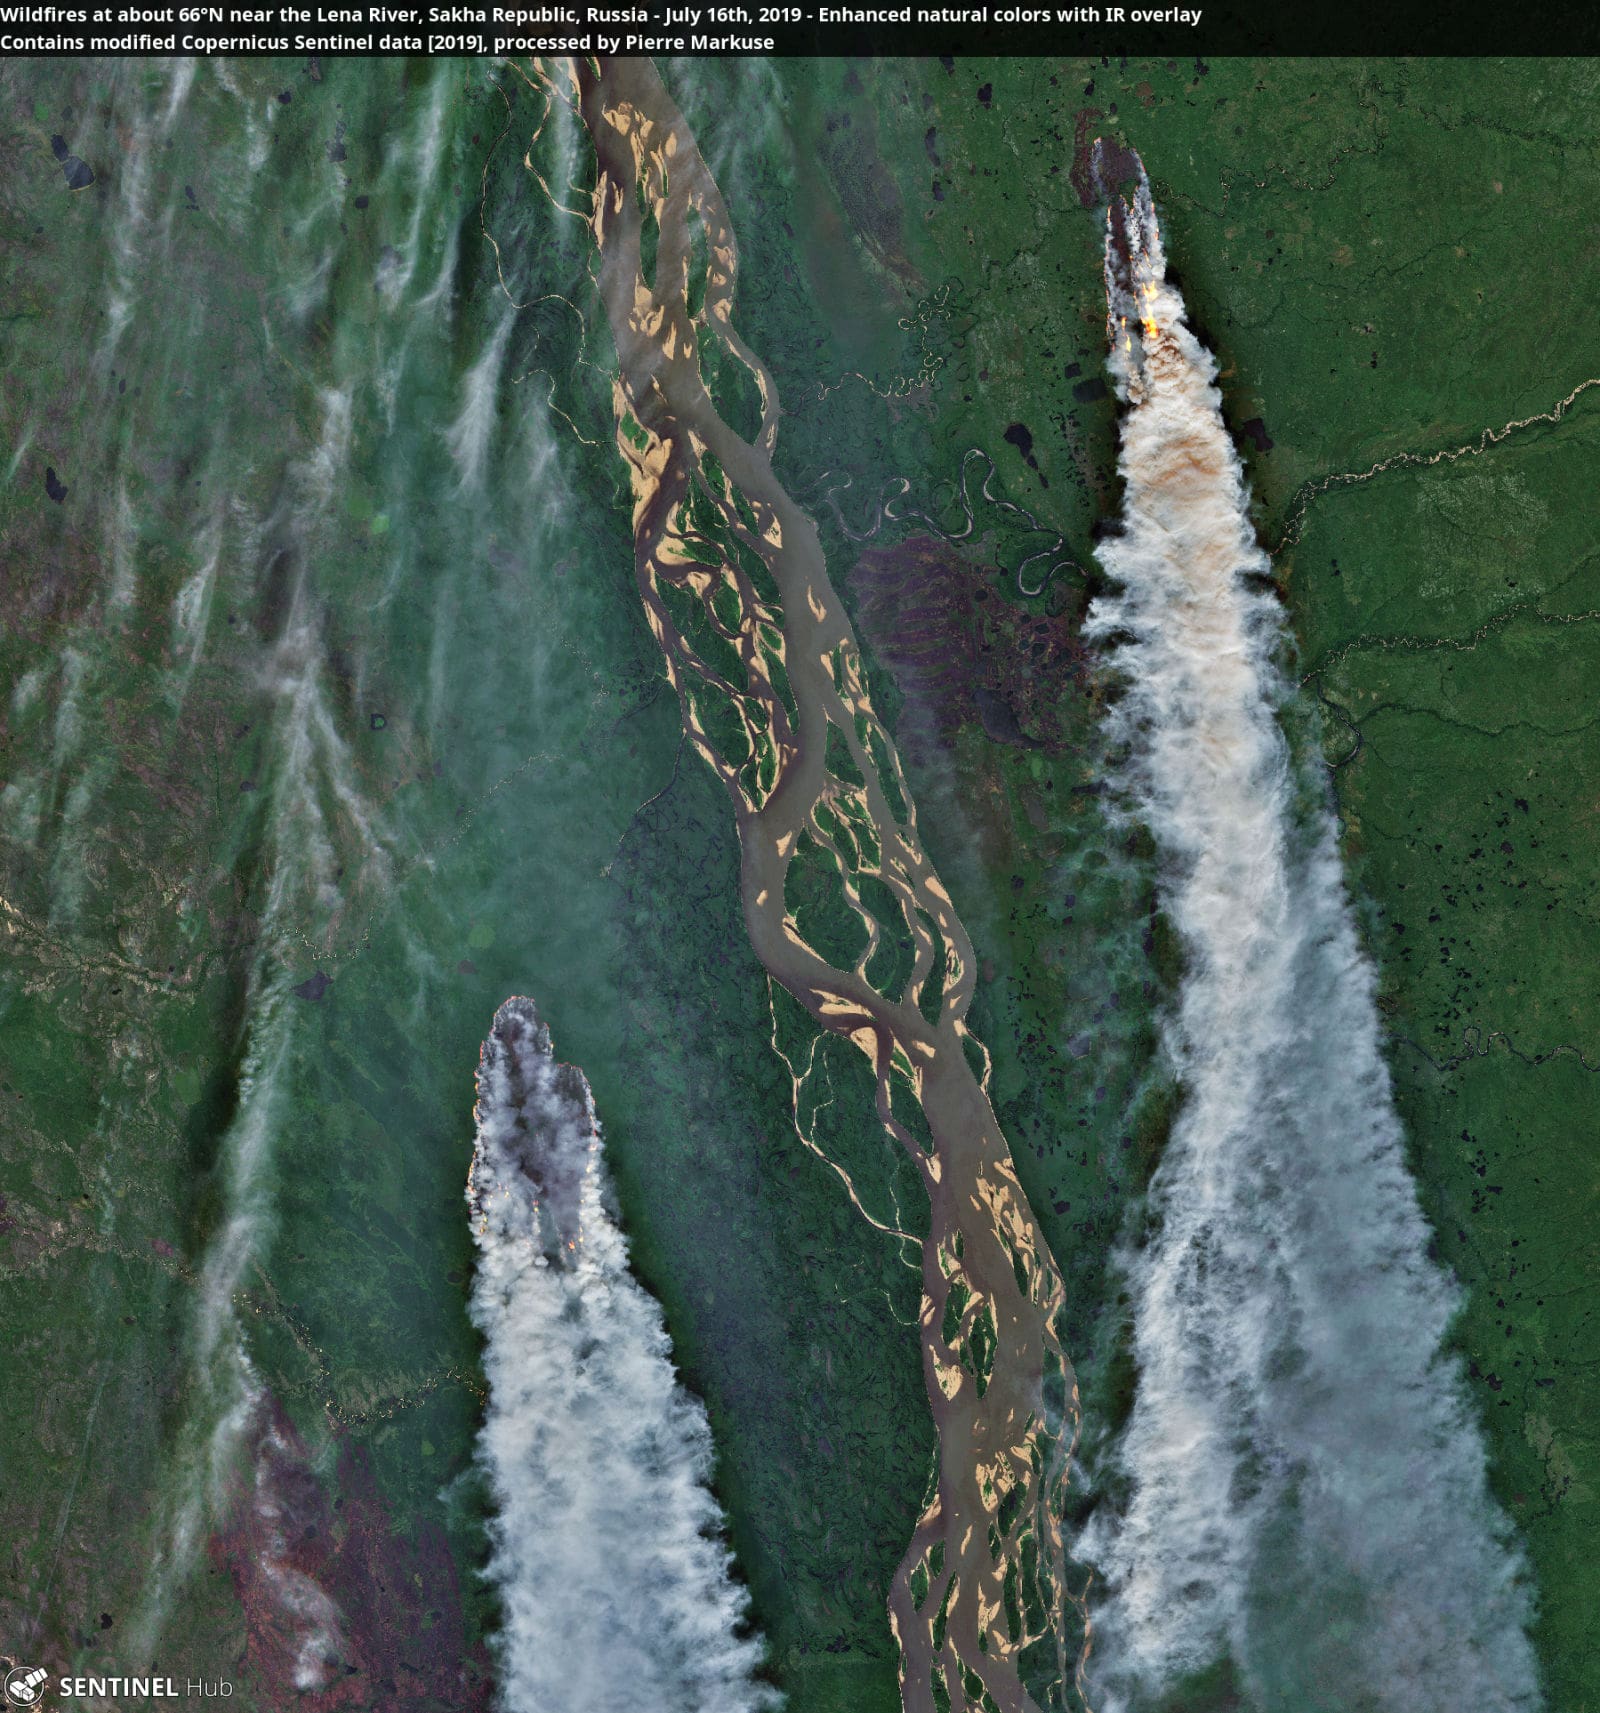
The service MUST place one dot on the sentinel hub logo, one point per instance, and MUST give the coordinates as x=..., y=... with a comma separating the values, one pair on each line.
x=139, y=1688
x=25, y=1686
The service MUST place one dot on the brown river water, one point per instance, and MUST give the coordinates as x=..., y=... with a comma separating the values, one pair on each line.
x=765, y=663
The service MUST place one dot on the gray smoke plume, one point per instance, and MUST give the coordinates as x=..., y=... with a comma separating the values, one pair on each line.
x=1306, y=1483
x=607, y=1544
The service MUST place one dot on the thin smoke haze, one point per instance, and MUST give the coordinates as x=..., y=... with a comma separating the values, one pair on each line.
x=607, y=1543
x=1302, y=1482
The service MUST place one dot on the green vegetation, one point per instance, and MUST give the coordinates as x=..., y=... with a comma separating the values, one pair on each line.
x=1460, y=718
x=440, y=669
x=1388, y=260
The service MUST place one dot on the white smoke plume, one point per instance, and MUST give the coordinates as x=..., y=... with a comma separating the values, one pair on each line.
x=607, y=1545
x=471, y=436
x=1305, y=1483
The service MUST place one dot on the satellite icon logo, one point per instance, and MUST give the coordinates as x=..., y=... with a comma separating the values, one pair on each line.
x=24, y=1685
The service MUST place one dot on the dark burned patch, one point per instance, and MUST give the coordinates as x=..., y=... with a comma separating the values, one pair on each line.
x=1255, y=431
x=399, y=1641
x=1115, y=169
x=867, y=191
x=1081, y=177
x=960, y=655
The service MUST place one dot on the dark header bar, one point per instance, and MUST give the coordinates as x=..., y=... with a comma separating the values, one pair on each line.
x=1191, y=32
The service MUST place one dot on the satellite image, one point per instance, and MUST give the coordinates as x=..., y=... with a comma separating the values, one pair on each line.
x=797, y=857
